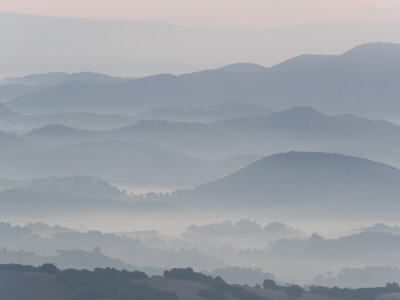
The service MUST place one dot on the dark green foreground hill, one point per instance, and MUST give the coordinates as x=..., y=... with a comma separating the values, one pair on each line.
x=46, y=282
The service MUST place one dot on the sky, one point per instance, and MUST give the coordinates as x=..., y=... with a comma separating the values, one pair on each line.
x=214, y=13
x=211, y=33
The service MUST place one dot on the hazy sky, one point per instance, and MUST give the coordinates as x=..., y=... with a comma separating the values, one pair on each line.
x=210, y=13
x=127, y=49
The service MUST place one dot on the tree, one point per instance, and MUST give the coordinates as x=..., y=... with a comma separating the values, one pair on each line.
x=269, y=284
x=48, y=268
x=294, y=291
x=392, y=287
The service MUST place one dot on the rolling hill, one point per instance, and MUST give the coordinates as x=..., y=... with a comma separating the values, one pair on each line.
x=315, y=183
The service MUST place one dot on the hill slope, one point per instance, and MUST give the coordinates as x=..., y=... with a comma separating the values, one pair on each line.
x=320, y=182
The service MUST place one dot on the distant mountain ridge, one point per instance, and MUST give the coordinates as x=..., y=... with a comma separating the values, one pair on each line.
x=12, y=87
x=243, y=67
x=55, y=130
x=331, y=83
x=50, y=79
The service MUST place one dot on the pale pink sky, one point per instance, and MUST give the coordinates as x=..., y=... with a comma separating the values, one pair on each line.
x=209, y=13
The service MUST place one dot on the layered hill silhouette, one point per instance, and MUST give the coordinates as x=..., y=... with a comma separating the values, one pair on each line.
x=304, y=128
x=362, y=77
x=304, y=142
x=318, y=182
x=7, y=113
x=81, y=186
x=11, y=120
x=204, y=114
x=113, y=159
x=122, y=162
x=57, y=134
x=299, y=129
x=83, y=120
x=11, y=143
x=11, y=91
x=295, y=127
x=56, y=78
x=190, y=138
x=12, y=87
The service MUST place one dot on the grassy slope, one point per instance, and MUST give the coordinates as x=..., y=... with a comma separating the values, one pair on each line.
x=188, y=290
x=394, y=296
x=37, y=286
x=184, y=289
x=31, y=286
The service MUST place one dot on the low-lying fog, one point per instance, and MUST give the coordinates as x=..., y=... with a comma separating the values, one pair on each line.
x=287, y=249
x=174, y=224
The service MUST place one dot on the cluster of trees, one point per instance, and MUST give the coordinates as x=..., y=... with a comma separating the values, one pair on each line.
x=220, y=287
x=112, y=283
x=293, y=290
x=363, y=293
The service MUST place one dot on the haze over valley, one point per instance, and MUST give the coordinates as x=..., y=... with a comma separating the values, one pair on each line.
x=288, y=171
